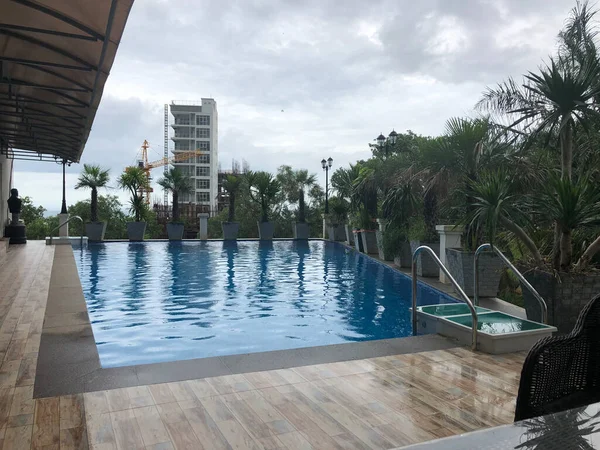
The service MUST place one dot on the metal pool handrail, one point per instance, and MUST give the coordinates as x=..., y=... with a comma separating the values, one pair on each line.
x=454, y=283
x=64, y=223
x=518, y=274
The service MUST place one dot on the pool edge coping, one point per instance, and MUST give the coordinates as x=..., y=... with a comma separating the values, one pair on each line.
x=69, y=363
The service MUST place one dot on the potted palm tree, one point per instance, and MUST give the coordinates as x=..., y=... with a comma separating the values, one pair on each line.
x=176, y=182
x=93, y=177
x=264, y=189
x=399, y=204
x=231, y=185
x=421, y=231
x=365, y=190
x=468, y=147
x=134, y=181
x=339, y=215
x=295, y=184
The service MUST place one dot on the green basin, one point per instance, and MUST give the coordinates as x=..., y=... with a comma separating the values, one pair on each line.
x=497, y=323
x=450, y=309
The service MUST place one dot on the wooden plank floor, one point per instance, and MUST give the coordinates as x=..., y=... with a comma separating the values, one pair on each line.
x=377, y=403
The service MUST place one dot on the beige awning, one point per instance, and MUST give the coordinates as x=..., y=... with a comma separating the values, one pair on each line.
x=55, y=57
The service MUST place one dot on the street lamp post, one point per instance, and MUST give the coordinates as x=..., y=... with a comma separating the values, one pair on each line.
x=63, y=209
x=385, y=143
x=64, y=163
x=63, y=217
x=326, y=166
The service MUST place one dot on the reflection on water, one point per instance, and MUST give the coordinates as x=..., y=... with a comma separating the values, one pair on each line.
x=162, y=301
x=574, y=429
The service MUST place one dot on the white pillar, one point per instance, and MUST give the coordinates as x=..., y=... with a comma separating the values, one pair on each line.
x=382, y=224
x=450, y=237
x=325, y=236
x=203, y=234
x=63, y=231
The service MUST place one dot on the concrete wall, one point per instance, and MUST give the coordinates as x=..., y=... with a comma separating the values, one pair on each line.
x=565, y=297
x=5, y=185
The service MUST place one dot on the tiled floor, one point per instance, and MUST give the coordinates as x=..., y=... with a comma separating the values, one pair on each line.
x=384, y=402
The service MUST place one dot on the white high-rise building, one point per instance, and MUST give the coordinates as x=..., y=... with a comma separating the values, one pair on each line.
x=195, y=127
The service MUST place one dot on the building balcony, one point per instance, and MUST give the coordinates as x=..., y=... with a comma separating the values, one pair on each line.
x=179, y=138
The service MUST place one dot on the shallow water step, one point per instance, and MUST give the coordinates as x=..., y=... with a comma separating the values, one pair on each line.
x=450, y=309
x=498, y=332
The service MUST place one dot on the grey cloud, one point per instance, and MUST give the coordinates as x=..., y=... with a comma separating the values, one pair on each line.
x=343, y=71
x=117, y=134
x=409, y=35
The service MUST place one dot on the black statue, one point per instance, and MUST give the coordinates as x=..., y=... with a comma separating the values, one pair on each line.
x=14, y=206
x=15, y=230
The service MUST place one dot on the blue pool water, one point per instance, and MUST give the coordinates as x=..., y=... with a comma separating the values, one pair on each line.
x=160, y=301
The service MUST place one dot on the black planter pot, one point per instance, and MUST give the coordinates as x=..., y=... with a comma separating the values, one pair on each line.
x=369, y=242
x=230, y=230
x=462, y=267
x=136, y=230
x=95, y=231
x=426, y=266
x=265, y=230
x=175, y=231
x=301, y=230
x=358, y=243
x=565, y=296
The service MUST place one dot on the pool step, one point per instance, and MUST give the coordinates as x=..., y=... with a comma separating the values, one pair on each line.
x=497, y=332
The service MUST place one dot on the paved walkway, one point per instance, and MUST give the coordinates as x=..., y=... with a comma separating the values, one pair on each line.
x=376, y=403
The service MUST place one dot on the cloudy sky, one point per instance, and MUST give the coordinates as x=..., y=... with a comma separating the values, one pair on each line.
x=341, y=71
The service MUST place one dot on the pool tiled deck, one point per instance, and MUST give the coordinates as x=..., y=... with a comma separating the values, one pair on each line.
x=374, y=403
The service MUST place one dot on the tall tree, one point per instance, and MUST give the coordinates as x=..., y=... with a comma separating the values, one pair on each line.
x=176, y=182
x=232, y=185
x=295, y=184
x=134, y=181
x=263, y=189
x=93, y=177
x=561, y=97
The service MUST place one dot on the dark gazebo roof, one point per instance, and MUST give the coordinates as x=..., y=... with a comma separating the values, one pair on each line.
x=55, y=57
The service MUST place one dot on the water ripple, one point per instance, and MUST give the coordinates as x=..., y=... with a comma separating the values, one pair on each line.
x=161, y=301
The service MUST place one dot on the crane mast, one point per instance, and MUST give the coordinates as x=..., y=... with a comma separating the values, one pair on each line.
x=165, y=161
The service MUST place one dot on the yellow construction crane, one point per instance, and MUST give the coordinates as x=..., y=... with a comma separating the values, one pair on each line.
x=148, y=166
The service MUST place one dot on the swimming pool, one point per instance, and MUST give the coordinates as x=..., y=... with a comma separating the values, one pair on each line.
x=165, y=301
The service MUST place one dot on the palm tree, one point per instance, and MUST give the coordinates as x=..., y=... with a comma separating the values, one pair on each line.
x=232, y=185
x=135, y=181
x=560, y=98
x=342, y=180
x=176, y=182
x=304, y=183
x=455, y=160
x=264, y=189
x=93, y=177
x=496, y=202
x=576, y=426
x=364, y=193
x=295, y=184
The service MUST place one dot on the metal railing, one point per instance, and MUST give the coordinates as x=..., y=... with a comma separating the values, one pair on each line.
x=454, y=283
x=64, y=223
x=518, y=274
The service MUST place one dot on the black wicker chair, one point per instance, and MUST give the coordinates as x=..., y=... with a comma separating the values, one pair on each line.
x=563, y=372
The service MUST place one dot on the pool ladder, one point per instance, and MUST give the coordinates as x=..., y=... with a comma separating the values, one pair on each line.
x=465, y=297
x=66, y=222
x=519, y=275
x=459, y=290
